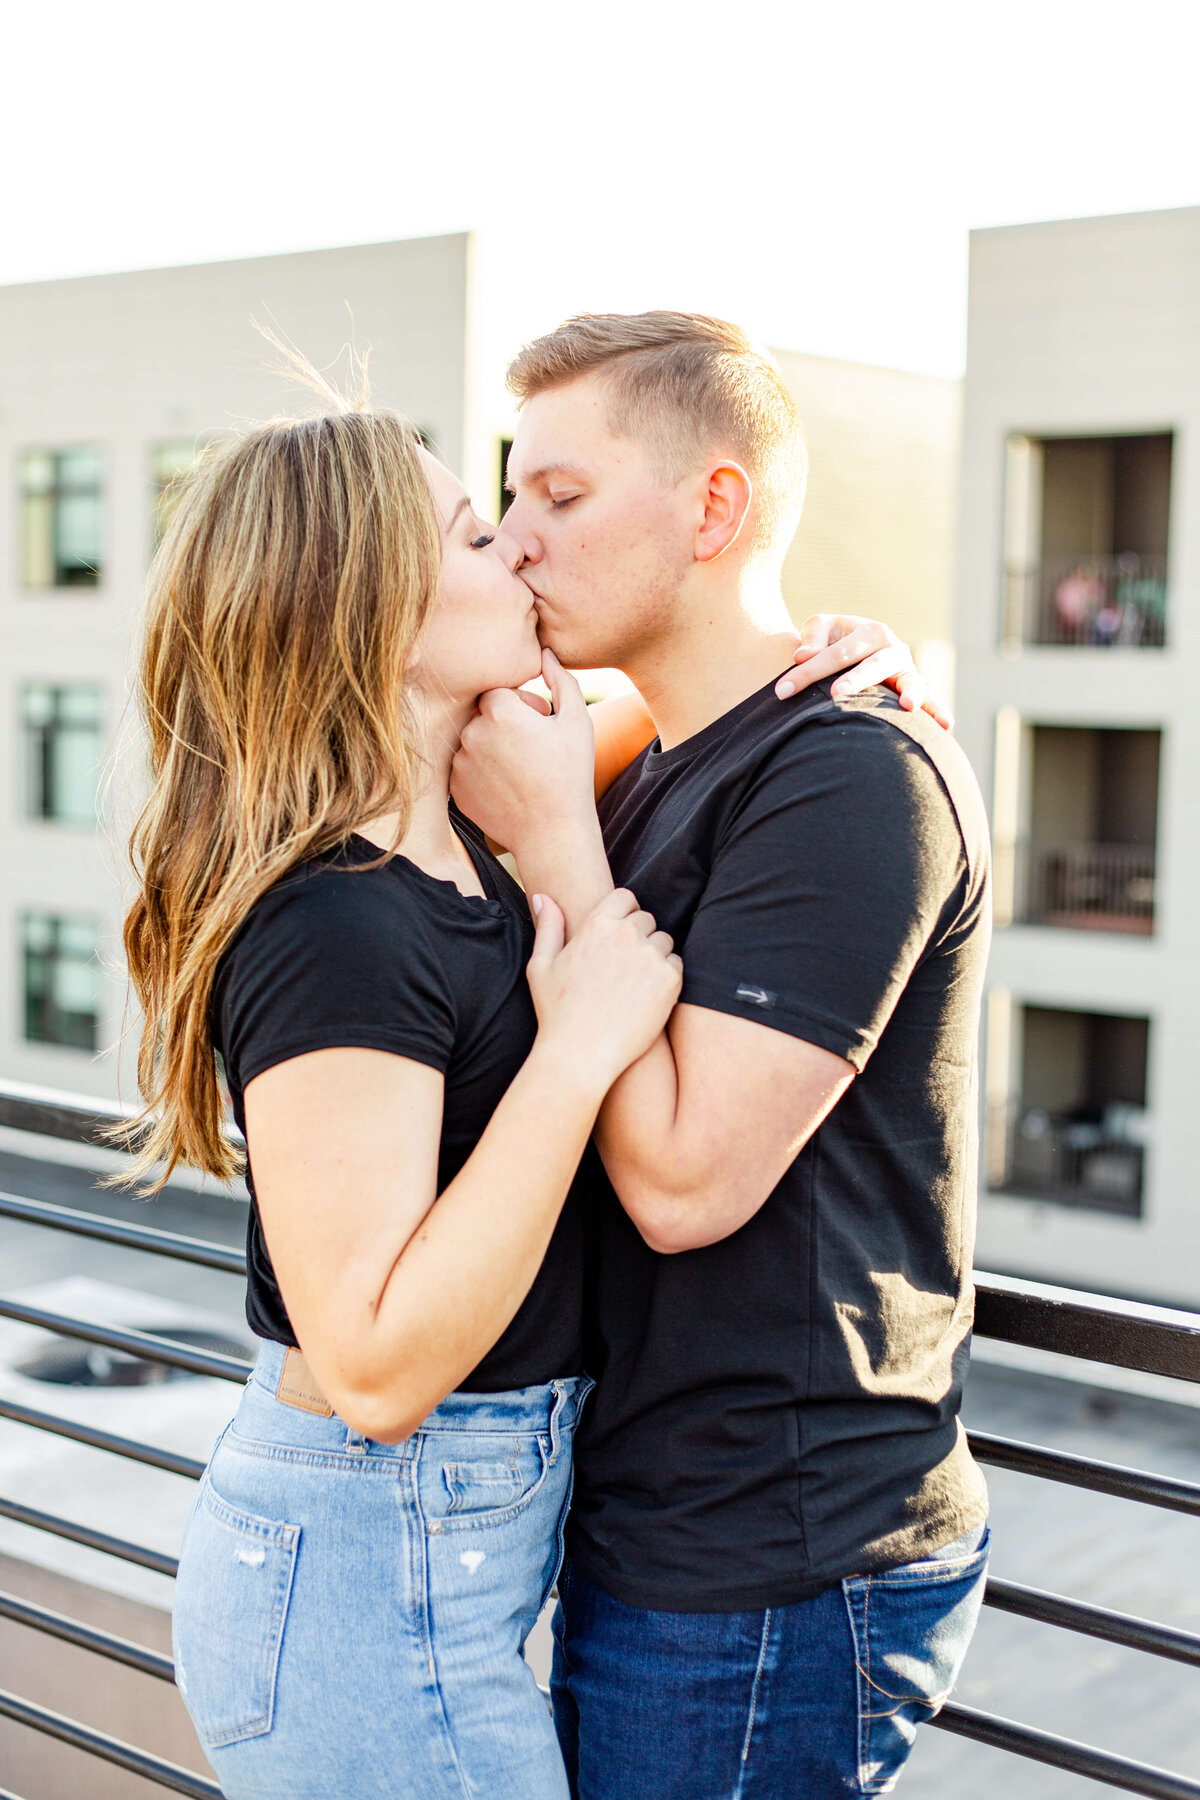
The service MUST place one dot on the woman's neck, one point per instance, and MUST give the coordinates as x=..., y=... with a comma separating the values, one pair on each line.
x=429, y=840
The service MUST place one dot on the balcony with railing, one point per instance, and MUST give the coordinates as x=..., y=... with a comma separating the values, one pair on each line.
x=1086, y=854
x=1106, y=602
x=1088, y=887
x=1087, y=528
x=1156, y=1341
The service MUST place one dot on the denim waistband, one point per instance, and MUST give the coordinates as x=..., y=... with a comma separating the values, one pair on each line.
x=551, y=1407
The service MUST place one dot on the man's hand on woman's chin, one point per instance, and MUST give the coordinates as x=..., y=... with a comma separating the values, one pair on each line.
x=861, y=653
x=522, y=771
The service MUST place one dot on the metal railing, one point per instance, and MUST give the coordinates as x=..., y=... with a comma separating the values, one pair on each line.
x=1152, y=1339
x=1087, y=887
x=1106, y=602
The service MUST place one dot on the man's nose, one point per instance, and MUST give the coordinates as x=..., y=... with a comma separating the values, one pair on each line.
x=521, y=540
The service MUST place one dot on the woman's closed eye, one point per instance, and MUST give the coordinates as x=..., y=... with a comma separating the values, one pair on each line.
x=482, y=542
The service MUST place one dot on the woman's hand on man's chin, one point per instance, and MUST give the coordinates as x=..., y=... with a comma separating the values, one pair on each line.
x=523, y=770
x=861, y=653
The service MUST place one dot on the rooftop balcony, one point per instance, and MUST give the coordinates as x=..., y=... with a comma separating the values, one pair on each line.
x=1156, y=1341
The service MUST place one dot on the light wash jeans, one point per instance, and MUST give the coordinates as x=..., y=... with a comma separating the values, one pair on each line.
x=350, y=1616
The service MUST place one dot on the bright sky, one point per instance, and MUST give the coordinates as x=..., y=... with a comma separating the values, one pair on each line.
x=811, y=170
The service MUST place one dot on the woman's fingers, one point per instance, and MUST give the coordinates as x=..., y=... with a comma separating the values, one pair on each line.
x=821, y=664
x=882, y=666
x=550, y=928
x=617, y=905
x=663, y=942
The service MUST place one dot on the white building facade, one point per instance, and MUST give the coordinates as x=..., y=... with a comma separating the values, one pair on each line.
x=1078, y=630
x=108, y=386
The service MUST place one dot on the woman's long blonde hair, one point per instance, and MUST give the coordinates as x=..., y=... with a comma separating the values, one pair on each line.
x=293, y=581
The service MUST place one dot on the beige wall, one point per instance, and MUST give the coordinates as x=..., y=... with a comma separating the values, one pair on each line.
x=877, y=534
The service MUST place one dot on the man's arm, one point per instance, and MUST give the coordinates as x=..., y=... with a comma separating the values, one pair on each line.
x=697, y=1134
x=814, y=914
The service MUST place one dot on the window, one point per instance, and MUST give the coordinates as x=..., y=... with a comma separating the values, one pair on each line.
x=62, y=500
x=1075, y=1118
x=63, y=744
x=61, y=981
x=167, y=463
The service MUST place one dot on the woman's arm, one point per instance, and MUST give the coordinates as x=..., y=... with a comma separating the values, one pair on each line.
x=395, y=1293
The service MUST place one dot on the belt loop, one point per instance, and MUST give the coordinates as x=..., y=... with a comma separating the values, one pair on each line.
x=560, y=1400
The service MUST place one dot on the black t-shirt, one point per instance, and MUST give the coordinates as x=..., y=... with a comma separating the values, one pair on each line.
x=779, y=1410
x=390, y=958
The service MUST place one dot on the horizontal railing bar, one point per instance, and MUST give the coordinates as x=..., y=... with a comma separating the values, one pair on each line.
x=1065, y=1753
x=92, y=1540
x=86, y=1637
x=79, y=1118
x=1128, y=1334
x=134, y=1343
x=110, y=1749
x=51, y=1113
x=132, y=1237
x=1093, y=1621
x=1082, y=1471
x=169, y=1460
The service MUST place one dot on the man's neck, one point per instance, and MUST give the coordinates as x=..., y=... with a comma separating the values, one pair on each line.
x=716, y=659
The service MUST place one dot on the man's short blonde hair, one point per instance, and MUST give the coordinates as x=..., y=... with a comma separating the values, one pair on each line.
x=689, y=386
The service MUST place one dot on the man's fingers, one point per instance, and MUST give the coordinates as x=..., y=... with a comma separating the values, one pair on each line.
x=565, y=691
x=499, y=702
x=538, y=702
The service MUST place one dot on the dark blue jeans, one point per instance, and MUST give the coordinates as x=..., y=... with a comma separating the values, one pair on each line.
x=803, y=1702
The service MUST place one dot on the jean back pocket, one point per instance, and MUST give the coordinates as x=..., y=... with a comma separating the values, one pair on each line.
x=231, y=1601
x=911, y=1626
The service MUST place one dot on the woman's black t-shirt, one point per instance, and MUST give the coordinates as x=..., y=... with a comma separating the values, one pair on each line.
x=389, y=958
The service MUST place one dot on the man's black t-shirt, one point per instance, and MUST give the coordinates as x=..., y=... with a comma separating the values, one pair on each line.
x=390, y=958
x=779, y=1410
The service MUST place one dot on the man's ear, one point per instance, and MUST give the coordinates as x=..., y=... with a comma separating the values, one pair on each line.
x=727, y=496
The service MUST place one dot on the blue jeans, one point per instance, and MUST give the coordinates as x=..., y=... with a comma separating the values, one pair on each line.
x=811, y=1701
x=350, y=1616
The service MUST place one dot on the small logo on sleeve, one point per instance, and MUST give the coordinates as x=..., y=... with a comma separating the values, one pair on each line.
x=757, y=996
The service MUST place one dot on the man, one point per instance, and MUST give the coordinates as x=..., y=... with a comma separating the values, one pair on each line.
x=777, y=1548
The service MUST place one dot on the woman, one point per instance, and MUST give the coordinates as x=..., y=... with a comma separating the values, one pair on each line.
x=381, y=1523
